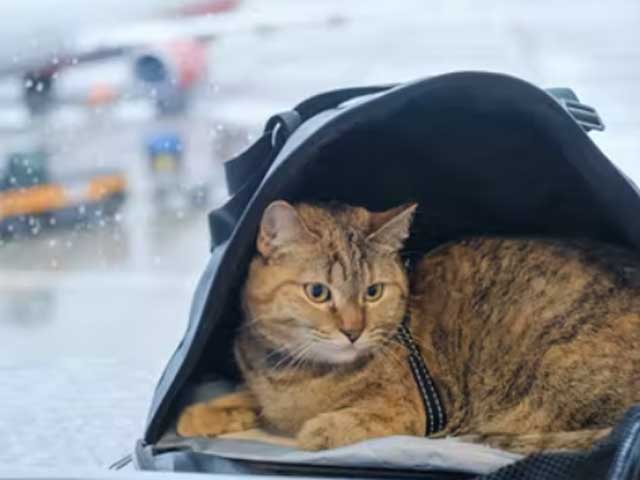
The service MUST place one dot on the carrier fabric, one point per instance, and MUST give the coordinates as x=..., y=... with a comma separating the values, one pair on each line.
x=401, y=452
x=518, y=149
x=609, y=460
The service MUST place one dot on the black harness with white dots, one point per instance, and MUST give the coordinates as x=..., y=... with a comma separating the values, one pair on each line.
x=433, y=406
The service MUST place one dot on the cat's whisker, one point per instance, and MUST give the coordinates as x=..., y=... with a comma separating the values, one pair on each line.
x=277, y=351
x=301, y=354
x=287, y=358
x=298, y=364
x=292, y=355
x=302, y=358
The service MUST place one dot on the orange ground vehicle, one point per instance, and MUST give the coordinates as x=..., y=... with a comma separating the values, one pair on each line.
x=31, y=197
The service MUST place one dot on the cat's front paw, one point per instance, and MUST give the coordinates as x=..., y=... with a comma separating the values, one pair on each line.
x=331, y=430
x=205, y=420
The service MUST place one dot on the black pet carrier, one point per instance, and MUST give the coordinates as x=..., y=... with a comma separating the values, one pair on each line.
x=482, y=153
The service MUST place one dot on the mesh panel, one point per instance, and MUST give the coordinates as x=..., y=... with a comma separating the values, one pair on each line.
x=616, y=458
x=552, y=466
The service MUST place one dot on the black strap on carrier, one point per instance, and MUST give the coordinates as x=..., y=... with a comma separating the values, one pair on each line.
x=433, y=406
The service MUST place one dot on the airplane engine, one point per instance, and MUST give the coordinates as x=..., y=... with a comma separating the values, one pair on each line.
x=171, y=72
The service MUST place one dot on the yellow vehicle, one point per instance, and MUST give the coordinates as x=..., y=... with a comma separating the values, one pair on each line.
x=32, y=198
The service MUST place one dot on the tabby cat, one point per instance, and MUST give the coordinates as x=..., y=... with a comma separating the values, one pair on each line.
x=532, y=343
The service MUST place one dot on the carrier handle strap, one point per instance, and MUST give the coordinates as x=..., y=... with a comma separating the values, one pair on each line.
x=244, y=172
x=241, y=168
x=585, y=115
x=279, y=128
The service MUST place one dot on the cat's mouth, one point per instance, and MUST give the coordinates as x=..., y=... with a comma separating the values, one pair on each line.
x=339, y=353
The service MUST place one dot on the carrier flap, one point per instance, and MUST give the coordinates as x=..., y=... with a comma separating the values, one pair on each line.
x=244, y=171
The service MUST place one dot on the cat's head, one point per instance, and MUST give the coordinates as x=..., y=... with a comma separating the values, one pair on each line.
x=328, y=284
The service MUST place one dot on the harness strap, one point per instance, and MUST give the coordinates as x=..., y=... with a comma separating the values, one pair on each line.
x=434, y=409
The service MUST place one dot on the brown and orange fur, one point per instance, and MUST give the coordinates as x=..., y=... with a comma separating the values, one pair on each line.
x=532, y=343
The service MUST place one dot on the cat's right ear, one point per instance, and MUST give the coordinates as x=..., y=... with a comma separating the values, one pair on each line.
x=280, y=228
x=390, y=229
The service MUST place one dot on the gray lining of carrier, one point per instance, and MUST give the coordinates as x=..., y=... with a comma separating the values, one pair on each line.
x=482, y=153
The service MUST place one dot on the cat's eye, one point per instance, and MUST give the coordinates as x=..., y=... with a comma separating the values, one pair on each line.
x=374, y=292
x=318, y=292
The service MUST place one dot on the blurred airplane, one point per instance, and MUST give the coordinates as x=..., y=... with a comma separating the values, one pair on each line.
x=163, y=44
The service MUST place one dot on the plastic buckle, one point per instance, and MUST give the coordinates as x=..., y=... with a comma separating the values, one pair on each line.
x=281, y=126
x=584, y=115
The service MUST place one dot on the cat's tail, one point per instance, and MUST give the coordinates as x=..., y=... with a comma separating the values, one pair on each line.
x=537, y=442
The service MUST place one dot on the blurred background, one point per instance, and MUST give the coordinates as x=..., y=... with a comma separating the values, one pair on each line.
x=115, y=118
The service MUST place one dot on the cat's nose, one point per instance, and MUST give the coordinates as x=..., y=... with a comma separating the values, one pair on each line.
x=352, y=334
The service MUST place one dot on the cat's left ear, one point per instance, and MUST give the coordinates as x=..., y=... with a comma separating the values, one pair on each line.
x=281, y=227
x=389, y=229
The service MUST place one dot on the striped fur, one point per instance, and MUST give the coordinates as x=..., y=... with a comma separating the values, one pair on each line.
x=532, y=343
